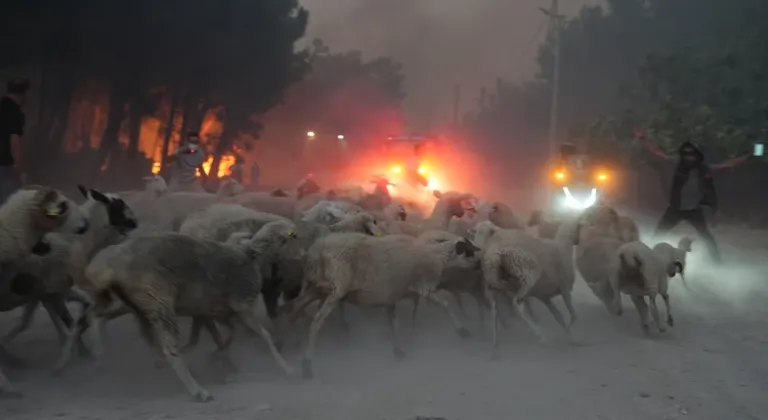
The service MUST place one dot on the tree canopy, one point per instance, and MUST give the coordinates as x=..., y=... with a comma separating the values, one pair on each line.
x=174, y=56
x=679, y=69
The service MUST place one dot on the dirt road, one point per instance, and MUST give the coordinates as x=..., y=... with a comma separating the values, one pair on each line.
x=711, y=365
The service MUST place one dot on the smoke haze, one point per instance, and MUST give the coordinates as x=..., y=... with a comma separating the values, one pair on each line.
x=440, y=43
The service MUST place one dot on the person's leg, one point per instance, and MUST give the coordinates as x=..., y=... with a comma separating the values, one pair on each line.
x=668, y=221
x=699, y=222
x=9, y=183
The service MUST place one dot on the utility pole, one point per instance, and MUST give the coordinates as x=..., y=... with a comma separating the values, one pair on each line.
x=456, y=99
x=555, y=21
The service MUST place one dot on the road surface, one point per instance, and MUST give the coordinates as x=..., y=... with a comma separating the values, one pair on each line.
x=711, y=365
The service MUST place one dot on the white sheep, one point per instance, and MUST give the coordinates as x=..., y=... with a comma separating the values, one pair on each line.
x=675, y=257
x=25, y=217
x=162, y=276
x=636, y=270
x=372, y=271
x=47, y=279
x=553, y=257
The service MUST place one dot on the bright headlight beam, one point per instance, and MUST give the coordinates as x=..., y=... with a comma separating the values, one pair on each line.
x=574, y=203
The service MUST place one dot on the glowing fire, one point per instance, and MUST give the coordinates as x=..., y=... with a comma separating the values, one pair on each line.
x=226, y=162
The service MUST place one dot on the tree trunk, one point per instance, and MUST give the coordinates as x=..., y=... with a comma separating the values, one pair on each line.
x=116, y=115
x=169, y=129
x=134, y=131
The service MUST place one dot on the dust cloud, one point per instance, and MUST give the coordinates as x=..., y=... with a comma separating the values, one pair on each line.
x=440, y=42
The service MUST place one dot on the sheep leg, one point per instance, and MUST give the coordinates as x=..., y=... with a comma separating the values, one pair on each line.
x=397, y=349
x=613, y=281
x=24, y=323
x=519, y=304
x=457, y=325
x=642, y=310
x=317, y=322
x=655, y=313
x=343, y=318
x=460, y=304
x=86, y=317
x=248, y=314
x=194, y=333
x=62, y=320
x=416, y=299
x=490, y=295
x=7, y=390
x=670, y=320
x=166, y=331
x=568, y=300
x=221, y=354
x=60, y=317
x=555, y=313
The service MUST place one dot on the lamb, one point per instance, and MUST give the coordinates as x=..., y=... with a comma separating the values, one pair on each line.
x=675, y=257
x=25, y=217
x=636, y=270
x=166, y=275
x=553, y=257
x=374, y=271
x=47, y=279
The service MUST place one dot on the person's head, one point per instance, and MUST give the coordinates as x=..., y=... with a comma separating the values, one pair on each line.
x=690, y=155
x=17, y=88
x=193, y=140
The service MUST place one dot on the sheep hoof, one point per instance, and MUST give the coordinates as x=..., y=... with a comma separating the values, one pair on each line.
x=203, y=396
x=646, y=330
x=464, y=332
x=399, y=354
x=662, y=329
x=671, y=321
x=306, y=369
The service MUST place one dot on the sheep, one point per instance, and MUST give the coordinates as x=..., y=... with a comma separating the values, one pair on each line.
x=374, y=271
x=456, y=280
x=448, y=205
x=675, y=257
x=637, y=271
x=25, y=217
x=154, y=186
x=554, y=257
x=47, y=279
x=547, y=228
x=165, y=275
x=219, y=221
x=601, y=234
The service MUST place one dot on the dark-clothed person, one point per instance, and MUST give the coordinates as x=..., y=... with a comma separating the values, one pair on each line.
x=692, y=196
x=12, y=121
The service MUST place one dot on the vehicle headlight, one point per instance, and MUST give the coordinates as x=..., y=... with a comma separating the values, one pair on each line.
x=574, y=203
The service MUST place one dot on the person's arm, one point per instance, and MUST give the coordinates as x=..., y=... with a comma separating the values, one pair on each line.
x=201, y=168
x=652, y=147
x=709, y=188
x=732, y=162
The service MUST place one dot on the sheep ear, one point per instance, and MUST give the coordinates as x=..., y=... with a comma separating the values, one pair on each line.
x=83, y=190
x=438, y=195
x=41, y=248
x=101, y=198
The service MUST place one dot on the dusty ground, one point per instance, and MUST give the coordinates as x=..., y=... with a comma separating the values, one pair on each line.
x=711, y=365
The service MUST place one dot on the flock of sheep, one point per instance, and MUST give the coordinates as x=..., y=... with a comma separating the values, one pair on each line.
x=212, y=257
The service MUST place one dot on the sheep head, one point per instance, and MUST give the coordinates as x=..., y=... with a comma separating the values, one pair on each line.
x=120, y=216
x=466, y=254
x=483, y=232
x=270, y=238
x=685, y=244
x=537, y=216
x=155, y=184
x=52, y=211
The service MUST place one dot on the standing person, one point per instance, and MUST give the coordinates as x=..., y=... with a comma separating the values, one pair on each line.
x=186, y=161
x=692, y=197
x=236, y=171
x=12, y=121
x=255, y=173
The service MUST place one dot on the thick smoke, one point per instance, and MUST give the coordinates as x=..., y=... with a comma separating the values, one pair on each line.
x=440, y=42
